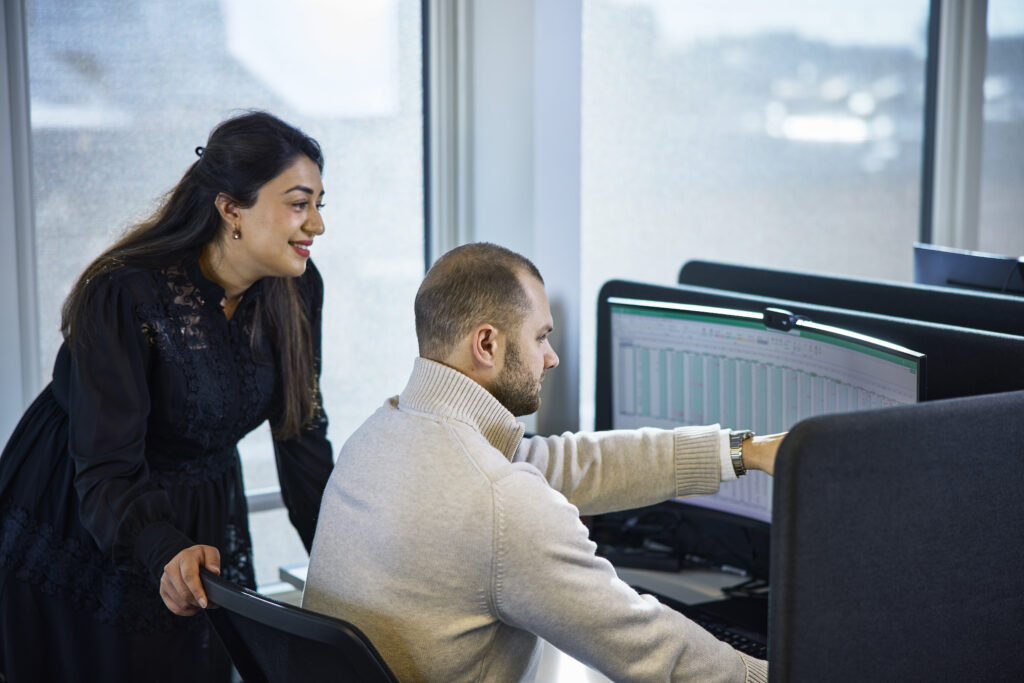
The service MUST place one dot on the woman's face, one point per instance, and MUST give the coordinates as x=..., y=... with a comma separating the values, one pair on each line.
x=277, y=231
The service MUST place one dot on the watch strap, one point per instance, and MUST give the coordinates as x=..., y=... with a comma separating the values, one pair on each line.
x=736, y=439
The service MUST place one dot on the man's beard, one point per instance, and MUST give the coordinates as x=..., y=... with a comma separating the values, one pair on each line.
x=515, y=388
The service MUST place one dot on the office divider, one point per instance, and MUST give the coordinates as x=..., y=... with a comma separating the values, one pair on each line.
x=896, y=544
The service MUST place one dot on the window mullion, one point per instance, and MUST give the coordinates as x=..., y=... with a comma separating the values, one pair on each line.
x=21, y=338
x=962, y=45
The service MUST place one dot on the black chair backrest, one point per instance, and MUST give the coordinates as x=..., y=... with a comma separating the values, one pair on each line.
x=271, y=641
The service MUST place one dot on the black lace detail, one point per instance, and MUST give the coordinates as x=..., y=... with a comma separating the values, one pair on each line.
x=227, y=393
x=210, y=381
x=236, y=557
x=255, y=375
x=122, y=596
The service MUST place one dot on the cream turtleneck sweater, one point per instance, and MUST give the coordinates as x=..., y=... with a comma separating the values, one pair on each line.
x=453, y=543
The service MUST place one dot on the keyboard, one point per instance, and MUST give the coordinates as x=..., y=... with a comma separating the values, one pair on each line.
x=731, y=621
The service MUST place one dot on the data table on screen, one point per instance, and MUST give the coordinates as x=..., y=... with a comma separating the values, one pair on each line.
x=676, y=367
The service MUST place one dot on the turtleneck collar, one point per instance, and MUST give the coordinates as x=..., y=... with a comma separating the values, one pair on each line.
x=437, y=389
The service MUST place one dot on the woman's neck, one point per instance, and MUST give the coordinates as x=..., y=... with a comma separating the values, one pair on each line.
x=215, y=268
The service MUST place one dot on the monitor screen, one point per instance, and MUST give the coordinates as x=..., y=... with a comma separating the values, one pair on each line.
x=682, y=364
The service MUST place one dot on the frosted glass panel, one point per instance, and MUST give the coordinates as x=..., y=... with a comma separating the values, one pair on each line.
x=1001, y=228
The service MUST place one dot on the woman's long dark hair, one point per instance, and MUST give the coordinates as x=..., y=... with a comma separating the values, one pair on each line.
x=242, y=155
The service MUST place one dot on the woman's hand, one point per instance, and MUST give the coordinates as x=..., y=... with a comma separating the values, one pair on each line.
x=759, y=452
x=180, y=586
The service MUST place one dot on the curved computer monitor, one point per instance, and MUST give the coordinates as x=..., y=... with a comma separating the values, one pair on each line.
x=981, y=310
x=974, y=270
x=676, y=364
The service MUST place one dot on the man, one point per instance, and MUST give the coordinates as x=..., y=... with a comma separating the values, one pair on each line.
x=453, y=543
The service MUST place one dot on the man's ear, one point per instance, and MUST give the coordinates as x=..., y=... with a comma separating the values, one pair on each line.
x=228, y=209
x=484, y=348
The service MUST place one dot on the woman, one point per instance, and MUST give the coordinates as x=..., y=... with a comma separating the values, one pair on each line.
x=123, y=477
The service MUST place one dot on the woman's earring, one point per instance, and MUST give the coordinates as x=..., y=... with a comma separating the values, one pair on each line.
x=236, y=234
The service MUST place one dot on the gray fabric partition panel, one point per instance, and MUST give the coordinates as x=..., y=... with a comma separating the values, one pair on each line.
x=897, y=544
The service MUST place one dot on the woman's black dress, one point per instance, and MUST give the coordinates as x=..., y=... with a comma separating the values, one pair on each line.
x=129, y=456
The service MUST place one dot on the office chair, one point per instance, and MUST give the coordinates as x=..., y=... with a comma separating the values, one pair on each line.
x=270, y=641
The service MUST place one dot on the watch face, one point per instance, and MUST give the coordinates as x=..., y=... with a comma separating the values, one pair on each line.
x=738, y=436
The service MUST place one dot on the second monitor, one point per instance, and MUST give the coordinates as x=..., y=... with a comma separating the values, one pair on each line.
x=960, y=307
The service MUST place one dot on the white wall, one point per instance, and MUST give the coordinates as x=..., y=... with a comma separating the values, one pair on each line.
x=526, y=163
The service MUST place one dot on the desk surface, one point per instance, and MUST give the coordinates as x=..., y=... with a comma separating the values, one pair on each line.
x=295, y=574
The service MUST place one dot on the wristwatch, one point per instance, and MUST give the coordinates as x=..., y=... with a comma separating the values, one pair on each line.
x=736, y=439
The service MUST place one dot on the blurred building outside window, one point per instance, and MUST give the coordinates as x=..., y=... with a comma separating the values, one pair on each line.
x=784, y=134
x=1001, y=223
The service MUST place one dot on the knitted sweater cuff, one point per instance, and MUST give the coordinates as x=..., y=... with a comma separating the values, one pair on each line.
x=757, y=669
x=697, y=459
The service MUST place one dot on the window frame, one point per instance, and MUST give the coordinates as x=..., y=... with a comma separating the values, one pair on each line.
x=17, y=239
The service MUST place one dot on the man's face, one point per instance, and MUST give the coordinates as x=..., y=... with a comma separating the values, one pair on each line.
x=528, y=354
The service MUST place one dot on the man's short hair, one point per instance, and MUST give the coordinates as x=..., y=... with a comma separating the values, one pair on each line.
x=470, y=285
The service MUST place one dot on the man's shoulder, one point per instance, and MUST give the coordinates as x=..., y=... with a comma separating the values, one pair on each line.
x=380, y=423
x=523, y=480
x=391, y=424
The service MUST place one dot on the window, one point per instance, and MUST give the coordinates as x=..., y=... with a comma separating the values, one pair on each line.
x=785, y=134
x=123, y=91
x=1001, y=225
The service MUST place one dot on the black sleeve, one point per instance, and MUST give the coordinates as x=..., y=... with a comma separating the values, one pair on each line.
x=108, y=408
x=305, y=462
